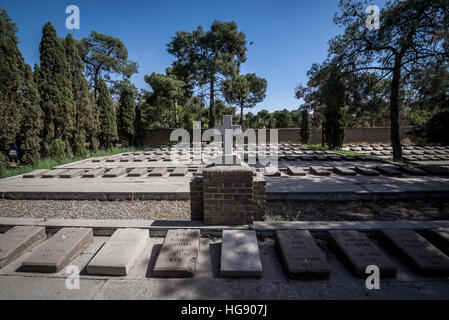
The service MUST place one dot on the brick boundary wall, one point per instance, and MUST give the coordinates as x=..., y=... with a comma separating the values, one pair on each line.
x=196, y=198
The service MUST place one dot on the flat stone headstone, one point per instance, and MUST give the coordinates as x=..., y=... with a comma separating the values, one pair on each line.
x=115, y=172
x=17, y=240
x=440, y=238
x=137, y=172
x=319, y=171
x=436, y=170
x=300, y=255
x=93, y=173
x=366, y=171
x=120, y=253
x=240, y=257
x=179, y=172
x=295, y=171
x=72, y=173
x=389, y=171
x=271, y=171
x=53, y=173
x=35, y=173
x=110, y=159
x=55, y=253
x=139, y=158
x=178, y=255
x=423, y=256
x=345, y=171
x=412, y=170
x=158, y=172
x=357, y=251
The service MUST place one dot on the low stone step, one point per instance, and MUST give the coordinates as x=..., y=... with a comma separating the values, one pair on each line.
x=300, y=255
x=35, y=173
x=318, y=171
x=422, y=256
x=179, y=172
x=366, y=171
x=178, y=255
x=72, y=173
x=345, y=171
x=357, y=251
x=240, y=257
x=55, y=253
x=158, y=172
x=115, y=172
x=120, y=253
x=137, y=172
x=53, y=173
x=17, y=240
x=93, y=173
x=295, y=171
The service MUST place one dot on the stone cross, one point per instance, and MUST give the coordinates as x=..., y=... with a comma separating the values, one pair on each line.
x=228, y=130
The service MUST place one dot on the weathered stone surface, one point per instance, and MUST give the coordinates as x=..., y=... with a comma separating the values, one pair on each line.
x=295, y=171
x=240, y=257
x=17, y=240
x=126, y=158
x=439, y=237
x=366, y=171
x=345, y=171
x=72, y=173
x=179, y=172
x=35, y=173
x=357, y=251
x=55, y=253
x=412, y=170
x=53, y=173
x=93, y=173
x=120, y=253
x=389, y=171
x=300, y=256
x=423, y=256
x=115, y=172
x=137, y=172
x=178, y=255
x=271, y=171
x=319, y=171
x=158, y=172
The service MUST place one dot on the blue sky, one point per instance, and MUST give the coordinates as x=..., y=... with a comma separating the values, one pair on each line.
x=288, y=36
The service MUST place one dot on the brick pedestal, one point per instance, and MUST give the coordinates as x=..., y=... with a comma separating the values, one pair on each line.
x=227, y=195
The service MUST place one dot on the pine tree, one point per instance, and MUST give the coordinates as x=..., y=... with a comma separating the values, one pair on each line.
x=305, y=126
x=108, y=119
x=54, y=83
x=126, y=113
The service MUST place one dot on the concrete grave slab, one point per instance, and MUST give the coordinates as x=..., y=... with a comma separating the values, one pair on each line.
x=366, y=171
x=440, y=238
x=357, y=251
x=120, y=253
x=179, y=172
x=72, y=173
x=271, y=171
x=35, y=173
x=115, y=172
x=240, y=257
x=423, y=257
x=158, y=172
x=295, y=171
x=17, y=240
x=55, y=253
x=93, y=173
x=344, y=171
x=318, y=171
x=53, y=173
x=300, y=255
x=178, y=255
x=137, y=172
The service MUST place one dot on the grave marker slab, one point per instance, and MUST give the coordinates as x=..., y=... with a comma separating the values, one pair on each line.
x=115, y=172
x=178, y=254
x=158, y=172
x=295, y=171
x=179, y=172
x=55, y=253
x=345, y=171
x=412, y=170
x=72, y=173
x=17, y=240
x=35, y=173
x=357, y=251
x=439, y=237
x=93, y=173
x=120, y=253
x=271, y=171
x=389, y=171
x=300, y=255
x=137, y=172
x=240, y=257
x=366, y=171
x=423, y=256
x=53, y=173
x=319, y=171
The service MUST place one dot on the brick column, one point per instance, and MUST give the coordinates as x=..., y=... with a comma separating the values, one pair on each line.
x=259, y=197
x=228, y=195
x=196, y=198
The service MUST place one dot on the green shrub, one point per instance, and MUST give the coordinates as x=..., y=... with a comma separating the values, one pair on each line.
x=57, y=149
x=79, y=146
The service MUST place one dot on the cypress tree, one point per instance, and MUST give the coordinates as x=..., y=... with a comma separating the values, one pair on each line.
x=126, y=113
x=108, y=119
x=305, y=126
x=54, y=83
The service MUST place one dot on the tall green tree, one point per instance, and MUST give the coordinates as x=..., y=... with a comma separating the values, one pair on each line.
x=244, y=91
x=305, y=125
x=412, y=35
x=126, y=113
x=108, y=121
x=206, y=57
x=54, y=84
x=105, y=56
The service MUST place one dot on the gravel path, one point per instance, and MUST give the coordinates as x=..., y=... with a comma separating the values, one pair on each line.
x=276, y=210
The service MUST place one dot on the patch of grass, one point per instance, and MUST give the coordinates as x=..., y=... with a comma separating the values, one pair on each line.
x=48, y=163
x=320, y=148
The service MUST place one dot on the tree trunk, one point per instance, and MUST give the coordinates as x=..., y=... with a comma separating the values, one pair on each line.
x=212, y=103
x=323, y=139
x=394, y=110
x=241, y=114
x=175, y=109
